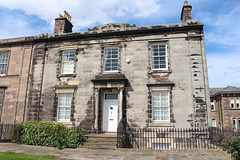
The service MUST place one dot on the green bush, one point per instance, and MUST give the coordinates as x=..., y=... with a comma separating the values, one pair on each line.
x=47, y=134
x=232, y=145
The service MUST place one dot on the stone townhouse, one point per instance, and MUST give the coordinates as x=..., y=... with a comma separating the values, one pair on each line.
x=151, y=76
x=225, y=109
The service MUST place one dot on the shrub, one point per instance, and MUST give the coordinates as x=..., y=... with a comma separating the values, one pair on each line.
x=232, y=145
x=47, y=134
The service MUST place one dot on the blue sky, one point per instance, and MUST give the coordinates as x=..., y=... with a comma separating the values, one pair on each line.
x=221, y=19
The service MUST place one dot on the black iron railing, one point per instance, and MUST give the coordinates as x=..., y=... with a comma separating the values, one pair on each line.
x=168, y=138
x=6, y=131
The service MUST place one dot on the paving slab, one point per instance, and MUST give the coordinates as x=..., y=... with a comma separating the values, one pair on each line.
x=118, y=154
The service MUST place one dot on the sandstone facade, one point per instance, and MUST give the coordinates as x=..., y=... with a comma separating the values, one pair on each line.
x=154, y=76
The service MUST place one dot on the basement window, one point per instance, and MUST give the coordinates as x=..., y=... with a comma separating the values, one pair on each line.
x=161, y=146
x=213, y=122
x=234, y=124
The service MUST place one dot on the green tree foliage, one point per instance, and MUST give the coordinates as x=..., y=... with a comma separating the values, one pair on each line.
x=47, y=134
x=232, y=145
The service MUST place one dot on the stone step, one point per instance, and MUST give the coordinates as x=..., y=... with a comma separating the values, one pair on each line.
x=101, y=141
x=104, y=135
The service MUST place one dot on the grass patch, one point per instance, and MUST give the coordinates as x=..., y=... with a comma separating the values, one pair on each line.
x=22, y=156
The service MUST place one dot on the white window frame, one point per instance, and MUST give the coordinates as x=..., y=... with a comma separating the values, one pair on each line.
x=234, y=124
x=159, y=56
x=68, y=62
x=212, y=105
x=232, y=103
x=167, y=120
x=237, y=103
x=214, y=123
x=108, y=56
x=64, y=95
x=3, y=63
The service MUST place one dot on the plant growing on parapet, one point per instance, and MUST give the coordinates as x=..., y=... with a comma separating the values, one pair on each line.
x=232, y=145
x=47, y=134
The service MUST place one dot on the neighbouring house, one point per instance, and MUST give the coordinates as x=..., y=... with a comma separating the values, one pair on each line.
x=150, y=76
x=15, y=73
x=225, y=108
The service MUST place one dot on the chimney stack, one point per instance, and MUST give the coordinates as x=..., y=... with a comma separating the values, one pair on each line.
x=186, y=12
x=63, y=24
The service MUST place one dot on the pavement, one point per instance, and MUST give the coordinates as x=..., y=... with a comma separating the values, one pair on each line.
x=118, y=154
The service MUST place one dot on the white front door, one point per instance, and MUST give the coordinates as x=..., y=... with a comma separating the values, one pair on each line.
x=110, y=112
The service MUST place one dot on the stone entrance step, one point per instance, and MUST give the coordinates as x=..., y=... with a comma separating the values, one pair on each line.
x=101, y=141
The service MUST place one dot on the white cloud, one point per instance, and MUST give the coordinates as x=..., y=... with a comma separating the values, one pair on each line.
x=223, y=25
x=85, y=13
x=223, y=69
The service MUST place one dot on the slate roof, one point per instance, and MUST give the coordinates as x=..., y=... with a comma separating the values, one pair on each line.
x=228, y=89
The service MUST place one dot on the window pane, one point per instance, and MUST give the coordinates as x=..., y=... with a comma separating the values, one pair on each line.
x=161, y=146
x=232, y=103
x=67, y=67
x=214, y=123
x=64, y=106
x=3, y=63
x=234, y=125
x=238, y=123
x=158, y=53
x=160, y=106
x=68, y=58
x=111, y=96
x=111, y=59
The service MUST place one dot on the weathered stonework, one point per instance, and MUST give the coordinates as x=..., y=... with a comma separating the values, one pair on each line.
x=185, y=76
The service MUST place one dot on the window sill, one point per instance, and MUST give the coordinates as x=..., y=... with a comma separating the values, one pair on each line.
x=67, y=75
x=110, y=72
x=159, y=71
x=160, y=125
x=64, y=122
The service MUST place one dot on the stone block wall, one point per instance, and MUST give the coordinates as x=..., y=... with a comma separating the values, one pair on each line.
x=15, y=84
x=187, y=72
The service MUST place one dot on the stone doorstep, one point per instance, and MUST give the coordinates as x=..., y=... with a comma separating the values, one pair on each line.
x=102, y=135
x=101, y=141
